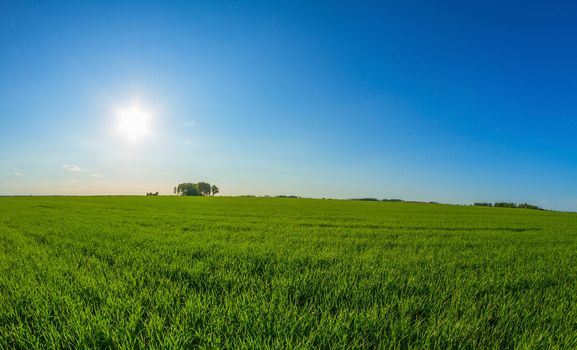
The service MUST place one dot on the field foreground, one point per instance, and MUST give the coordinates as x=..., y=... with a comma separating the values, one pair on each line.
x=174, y=272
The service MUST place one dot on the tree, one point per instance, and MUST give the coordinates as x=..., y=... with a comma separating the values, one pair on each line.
x=214, y=190
x=204, y=188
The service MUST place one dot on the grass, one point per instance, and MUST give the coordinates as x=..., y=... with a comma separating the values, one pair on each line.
x=174, y=272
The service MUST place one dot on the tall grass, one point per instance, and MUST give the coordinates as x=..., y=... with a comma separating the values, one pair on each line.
x=173, y=272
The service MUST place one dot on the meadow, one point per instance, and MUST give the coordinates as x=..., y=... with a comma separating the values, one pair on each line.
x=184, y=272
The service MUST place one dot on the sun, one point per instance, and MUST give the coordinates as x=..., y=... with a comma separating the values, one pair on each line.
x=133, y=123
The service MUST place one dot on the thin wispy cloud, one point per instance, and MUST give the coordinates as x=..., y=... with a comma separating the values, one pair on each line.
x=73, y=168
x=188, y=141
x=77, y=169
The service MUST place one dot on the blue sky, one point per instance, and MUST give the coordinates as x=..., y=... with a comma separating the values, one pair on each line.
x=427, y=100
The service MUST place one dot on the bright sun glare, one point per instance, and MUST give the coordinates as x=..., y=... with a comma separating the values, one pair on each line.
x=133, y=123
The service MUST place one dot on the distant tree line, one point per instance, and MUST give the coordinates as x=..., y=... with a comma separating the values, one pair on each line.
x=508, y=205
x=152, y=193
x=370, y=199
x=529, y=206
x=196, y=189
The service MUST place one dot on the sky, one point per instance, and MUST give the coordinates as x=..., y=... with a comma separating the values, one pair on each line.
x=448, y=101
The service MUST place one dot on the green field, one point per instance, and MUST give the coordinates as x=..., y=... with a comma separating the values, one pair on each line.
x=182, y=272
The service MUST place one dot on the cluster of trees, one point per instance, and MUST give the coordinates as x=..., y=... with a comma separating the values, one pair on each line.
x=508, y=205
x=196, y=189
x=152, y=193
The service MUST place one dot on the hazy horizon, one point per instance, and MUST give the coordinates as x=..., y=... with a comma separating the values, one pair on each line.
x=430, y=101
